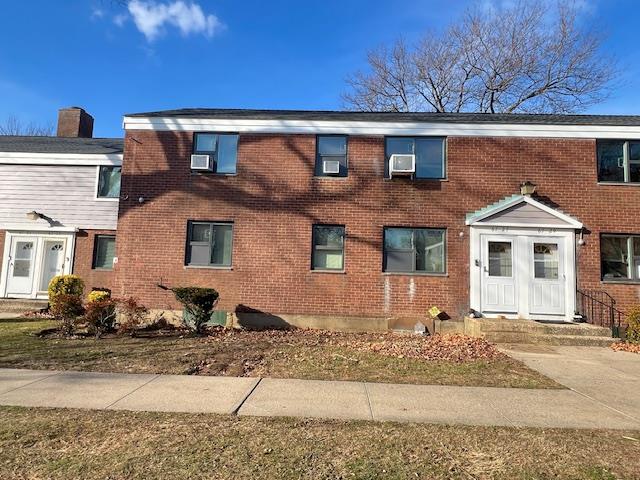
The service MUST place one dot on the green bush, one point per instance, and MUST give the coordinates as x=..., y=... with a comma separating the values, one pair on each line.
x=633, y=322
x=67, y=308
x=198, y=304
x=65, y=285
x=96, y=295
x=100, y=316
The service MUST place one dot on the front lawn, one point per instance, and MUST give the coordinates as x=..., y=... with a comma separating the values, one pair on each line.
x=278, y=354
x=62, y=444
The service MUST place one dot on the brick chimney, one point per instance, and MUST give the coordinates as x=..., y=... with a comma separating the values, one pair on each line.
x=74, y=122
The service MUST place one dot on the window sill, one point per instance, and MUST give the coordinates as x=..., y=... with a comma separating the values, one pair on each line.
x=212, y=174
x=208, y=267
x=339, y=272
x=619, y=184
x=620, y=282
x=331, y=177
x=96, y=269
x=108, y=199
x=415, y=274
x=419, y=180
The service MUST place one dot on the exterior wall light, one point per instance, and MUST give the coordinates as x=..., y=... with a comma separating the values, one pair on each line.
x=33, y=215
x=527, y=188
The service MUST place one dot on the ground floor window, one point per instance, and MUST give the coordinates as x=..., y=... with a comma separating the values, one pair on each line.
x=620, y=257
x=104, y=250
x=414, y=250
x=209, y=244
x=328, y=247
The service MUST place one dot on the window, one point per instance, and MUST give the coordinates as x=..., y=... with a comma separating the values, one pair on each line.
x=620, y=257
x=331, y=149
x=414, y=250
x=109, y=182
x=328, y=247
x=429, y=152
x=210, y=244
x=545, y=260
x=618, y=161
x=500, y=259
x=104, y=249
x=222, y=148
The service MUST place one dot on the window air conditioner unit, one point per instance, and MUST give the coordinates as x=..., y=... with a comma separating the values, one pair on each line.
x=402, y=164
x=330, y=166
x=200, y=162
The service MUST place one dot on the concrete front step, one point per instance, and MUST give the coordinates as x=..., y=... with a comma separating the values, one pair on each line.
x=564, y=340
x=20, y=305
x=539, y=328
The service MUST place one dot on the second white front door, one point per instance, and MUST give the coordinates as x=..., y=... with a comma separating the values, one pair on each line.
x=523, y=275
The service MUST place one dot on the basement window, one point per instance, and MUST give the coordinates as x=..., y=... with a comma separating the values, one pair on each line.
x=620, y=257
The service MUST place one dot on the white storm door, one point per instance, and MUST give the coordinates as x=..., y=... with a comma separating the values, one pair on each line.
x=21, y=266
x=548, y=280
x=499, y=288
x=52, y=262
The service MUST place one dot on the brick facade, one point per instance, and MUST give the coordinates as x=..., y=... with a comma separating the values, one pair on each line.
x=83, y=260
x=274, y=200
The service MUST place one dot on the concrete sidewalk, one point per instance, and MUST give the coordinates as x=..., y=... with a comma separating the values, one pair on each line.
x=309, y=398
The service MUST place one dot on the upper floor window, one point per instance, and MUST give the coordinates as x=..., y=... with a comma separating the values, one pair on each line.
x=414, y=250
x=618, y=161
x=328, y=247
x=430, y=153
x=109, y=182
x=209, y=244
x=222, y=149
x=331, y=156
x=620, y=257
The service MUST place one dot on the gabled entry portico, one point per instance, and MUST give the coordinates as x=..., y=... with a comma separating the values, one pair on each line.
x=522, y=256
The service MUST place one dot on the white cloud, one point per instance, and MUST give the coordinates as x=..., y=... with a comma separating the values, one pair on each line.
x=97, y=12
x=120, y=19
x=152, y=18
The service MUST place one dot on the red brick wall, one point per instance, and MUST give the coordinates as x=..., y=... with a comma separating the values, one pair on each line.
x=83, y=260
x=274, y=200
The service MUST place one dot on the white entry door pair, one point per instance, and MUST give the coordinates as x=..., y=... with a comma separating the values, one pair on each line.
x=32, y=262
x=523, y=275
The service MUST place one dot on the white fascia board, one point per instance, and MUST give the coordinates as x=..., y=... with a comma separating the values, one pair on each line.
x=24, y=158
x=39, y=229
x=381, y=128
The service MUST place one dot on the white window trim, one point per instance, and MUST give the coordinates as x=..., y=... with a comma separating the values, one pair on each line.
x=97, y=185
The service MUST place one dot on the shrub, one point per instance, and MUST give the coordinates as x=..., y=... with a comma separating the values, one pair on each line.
x=132, y=314
x=67, y=308
x=100, y=316
x=198, y=304
x=633, y=322
x=96, y=295
x=65, y=285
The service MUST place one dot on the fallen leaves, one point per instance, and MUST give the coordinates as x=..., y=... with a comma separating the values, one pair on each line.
x=626, y=347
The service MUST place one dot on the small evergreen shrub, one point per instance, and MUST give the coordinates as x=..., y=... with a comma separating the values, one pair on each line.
x=100, y=316
x=198, y=303
x=633, y=322
x=65, y=285
x=67, y=308
x=96, y=295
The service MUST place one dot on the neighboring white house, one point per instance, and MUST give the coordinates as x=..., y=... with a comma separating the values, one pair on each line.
x=58, y=205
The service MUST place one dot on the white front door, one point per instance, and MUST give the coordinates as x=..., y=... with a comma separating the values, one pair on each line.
x=52, y=262
x=547, y=278
x=499, y=279
x=21, y=270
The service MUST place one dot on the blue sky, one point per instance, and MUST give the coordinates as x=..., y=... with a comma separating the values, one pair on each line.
x=230, y=53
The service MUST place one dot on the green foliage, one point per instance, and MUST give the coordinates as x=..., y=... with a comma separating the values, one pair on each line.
x=100, y=316
x=633, y=322
x=198, y=303
x=132, y=314
x=96, y=295
x=65, y=285
x=67, y=308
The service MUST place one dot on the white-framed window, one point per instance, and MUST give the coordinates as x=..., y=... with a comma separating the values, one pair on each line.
x=108, y=181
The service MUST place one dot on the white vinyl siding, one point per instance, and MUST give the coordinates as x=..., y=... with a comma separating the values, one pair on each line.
x=65, y=193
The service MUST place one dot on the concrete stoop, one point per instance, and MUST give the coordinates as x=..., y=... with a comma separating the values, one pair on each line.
x=532, y=332
x=21, y=305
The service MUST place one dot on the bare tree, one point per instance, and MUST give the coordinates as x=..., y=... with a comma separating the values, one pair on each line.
x=522, y=58
x=13, y=126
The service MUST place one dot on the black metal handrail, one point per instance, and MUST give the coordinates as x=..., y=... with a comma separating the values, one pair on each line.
x=597, y=307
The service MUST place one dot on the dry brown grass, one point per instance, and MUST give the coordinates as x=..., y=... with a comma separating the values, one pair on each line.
x=65, y=444
x=279, y=354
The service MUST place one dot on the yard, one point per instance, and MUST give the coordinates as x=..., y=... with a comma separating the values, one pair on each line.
x=60, y=444
x=281, y=354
